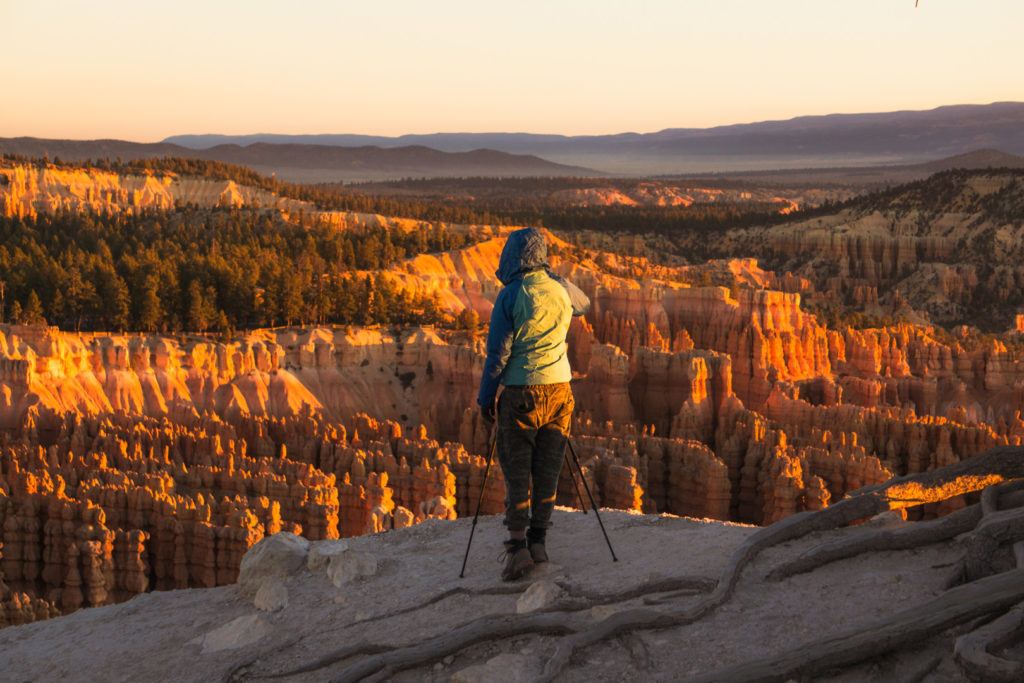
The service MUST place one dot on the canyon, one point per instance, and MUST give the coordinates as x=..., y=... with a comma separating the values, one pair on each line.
x=721, y=391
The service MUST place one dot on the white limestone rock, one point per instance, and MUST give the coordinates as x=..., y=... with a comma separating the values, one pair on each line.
x=321, y=552
x=539, y=595
x=279, y=555
x=349, y=565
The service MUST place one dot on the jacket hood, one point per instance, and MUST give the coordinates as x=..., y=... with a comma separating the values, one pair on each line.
x=525, y=250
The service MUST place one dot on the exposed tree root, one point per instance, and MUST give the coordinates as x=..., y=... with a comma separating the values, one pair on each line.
x=922, y=672
x=243, y=670
x=1011, y=497
x=990, y=500
x=638, y=651
x=875, y=540
x=504, y=589
x=973, y=651
x=953, y=607
x=490, y=627
x=990, y=468
x=913, y=535
x=576, y=600
x=689, y=584
x=1005, y=526
x=620, y=622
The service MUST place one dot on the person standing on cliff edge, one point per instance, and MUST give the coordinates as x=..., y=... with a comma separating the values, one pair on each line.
x=527, y=354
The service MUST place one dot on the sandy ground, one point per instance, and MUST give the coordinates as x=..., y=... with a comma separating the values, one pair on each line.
x=157, y=636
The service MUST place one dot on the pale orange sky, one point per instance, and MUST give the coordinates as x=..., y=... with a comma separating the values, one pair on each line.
x=143, y=71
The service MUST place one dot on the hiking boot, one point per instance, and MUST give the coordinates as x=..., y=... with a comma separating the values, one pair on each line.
x=535, y=542
x=538, y=552
x=518, y=560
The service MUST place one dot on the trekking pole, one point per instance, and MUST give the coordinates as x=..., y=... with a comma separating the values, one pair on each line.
x=572, y=475
x=590, y=495
x=479, y=500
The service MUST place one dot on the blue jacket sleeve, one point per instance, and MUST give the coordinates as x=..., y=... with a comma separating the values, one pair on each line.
x=580, y=301
x=499, y=343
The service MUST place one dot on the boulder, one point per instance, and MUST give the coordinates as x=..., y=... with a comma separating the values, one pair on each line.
x=275, y=556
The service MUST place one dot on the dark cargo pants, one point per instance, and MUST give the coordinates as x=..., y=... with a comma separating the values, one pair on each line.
x=533, y=425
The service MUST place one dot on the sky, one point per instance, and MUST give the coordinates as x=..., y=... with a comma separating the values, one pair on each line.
x=145, y=70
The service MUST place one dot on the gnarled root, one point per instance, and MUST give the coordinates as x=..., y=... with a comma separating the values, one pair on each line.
x=973, y=651
x=913, y=535
x=953, y=607
x=1005, y=526
x=486, y=628
x=990, y=468
x=575, y=600
x=874, y=540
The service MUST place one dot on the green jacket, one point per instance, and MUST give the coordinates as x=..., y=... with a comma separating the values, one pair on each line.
x=531, y=316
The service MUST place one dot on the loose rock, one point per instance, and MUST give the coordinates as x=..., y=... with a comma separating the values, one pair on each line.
x=274, y=556
x=538, y=596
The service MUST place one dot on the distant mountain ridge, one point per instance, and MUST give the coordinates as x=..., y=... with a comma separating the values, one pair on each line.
x=864, y=178
x=308, y=163
x=833, y=139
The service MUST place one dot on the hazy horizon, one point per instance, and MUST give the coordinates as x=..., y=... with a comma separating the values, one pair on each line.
x=546, y=132
x=125, y=71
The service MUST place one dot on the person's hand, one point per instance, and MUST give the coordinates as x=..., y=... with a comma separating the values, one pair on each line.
x=488, y=413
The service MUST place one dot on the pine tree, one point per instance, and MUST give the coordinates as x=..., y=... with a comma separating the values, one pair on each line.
x=79, y=297
x=368, y=310
x=201, y=310
x=291, y=298
x=223, y=326
x=33, y=313
x=151, y=313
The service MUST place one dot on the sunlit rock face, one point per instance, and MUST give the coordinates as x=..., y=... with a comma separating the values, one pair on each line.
x=408, y=375
x=31, y=190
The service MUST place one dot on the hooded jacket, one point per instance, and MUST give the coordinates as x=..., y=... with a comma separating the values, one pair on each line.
x=531, y=316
